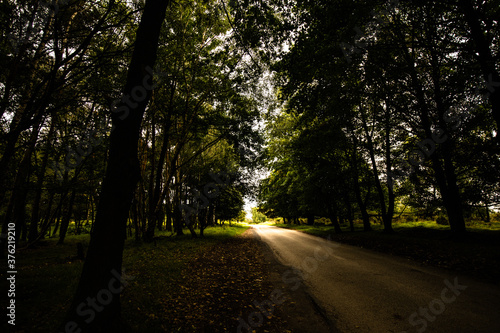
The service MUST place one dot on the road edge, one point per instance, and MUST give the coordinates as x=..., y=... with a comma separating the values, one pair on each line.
x=310, y=314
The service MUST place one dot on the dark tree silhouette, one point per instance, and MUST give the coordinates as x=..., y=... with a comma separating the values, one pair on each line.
x=96, y=305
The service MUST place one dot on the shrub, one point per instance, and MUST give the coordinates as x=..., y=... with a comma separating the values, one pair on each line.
x=442, y=220
x=409, y=218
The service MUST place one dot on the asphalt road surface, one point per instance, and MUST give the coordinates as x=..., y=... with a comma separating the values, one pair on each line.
x=365, y=291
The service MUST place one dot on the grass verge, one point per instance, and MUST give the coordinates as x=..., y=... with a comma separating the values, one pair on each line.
x=179, y=284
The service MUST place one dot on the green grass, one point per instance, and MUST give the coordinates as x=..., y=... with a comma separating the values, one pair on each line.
x=157, y=270
x=47, y=279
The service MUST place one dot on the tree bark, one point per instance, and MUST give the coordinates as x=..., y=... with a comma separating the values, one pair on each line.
x=35, y=212
x=169, y=216
x=102, y=270
x=151, y=217
x=388, y=164
x=386, y=213
x=211, y=216
x=348, y=206
x=66, y=218
x=154, y=201
x=357, y=191
x=16, y=211
x=335, y=222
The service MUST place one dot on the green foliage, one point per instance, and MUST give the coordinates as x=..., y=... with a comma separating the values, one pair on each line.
x=352, y=120
x=241, y=216
x=496, y=217
x=229, y=204
x=199, y=122
x=257, y=216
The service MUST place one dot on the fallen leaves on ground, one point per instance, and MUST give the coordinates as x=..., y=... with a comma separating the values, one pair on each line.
x=218, y=288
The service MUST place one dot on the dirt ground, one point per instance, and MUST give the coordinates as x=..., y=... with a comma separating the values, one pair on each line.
x=238, y=286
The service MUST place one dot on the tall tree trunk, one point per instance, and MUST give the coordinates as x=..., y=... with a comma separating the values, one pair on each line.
x=160, y=217
x=66, y=217
x=386, y=218
x=348, y=205
x=177, y=220
x=191, y=228
x=388, y=164
x=454, y=206
x=335, y=222
x=202, y=217
x=16, y=211
x=135, y=220
x=151, y=217
x=46, y=218
x=35, y=212
x=154, y=201
x=211, y=215
x=357, y=190
x=169, y=215
x=362, y=207
x=102, y=270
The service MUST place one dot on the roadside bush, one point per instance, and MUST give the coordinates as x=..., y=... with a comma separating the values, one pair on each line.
x=322, y=220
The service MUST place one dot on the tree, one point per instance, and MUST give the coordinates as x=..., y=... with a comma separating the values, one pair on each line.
x=46, y=56
x=104, y=258
x=483, y=32
x=258, y=217
x=391, y=76
x=242, y=215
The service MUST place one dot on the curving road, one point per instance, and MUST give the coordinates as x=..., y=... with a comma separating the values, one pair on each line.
x=365, y=291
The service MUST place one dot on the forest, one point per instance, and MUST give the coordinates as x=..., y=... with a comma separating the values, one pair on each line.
x=392, y=107
x=63, y=71
x=125, y=119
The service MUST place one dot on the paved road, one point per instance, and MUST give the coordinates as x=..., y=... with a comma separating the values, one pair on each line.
x=365, y=291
